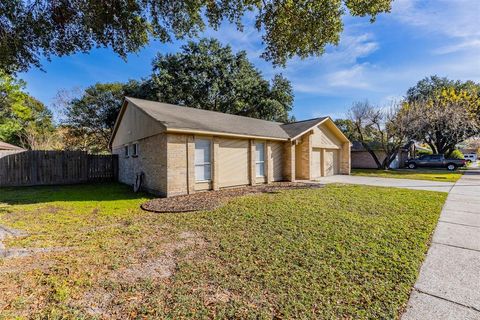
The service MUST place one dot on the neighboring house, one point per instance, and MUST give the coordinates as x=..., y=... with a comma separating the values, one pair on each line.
x=362, y=159
x=7, y=149
x=469, y=154
x=468, y=150
x=182, y=150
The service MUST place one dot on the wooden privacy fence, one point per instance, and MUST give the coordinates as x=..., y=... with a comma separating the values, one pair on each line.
x=30, y=168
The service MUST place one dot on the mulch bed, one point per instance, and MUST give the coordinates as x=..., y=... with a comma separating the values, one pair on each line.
x=210, y=200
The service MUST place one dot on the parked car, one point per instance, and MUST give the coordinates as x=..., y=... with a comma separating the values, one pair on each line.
x=470, y=157
x=435, y=161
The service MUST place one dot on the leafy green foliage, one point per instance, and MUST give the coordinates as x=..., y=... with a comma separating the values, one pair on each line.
x=445, y=112
x=456, y=154
x=348, y=128
x=204, y=75
x=423, y=152
x=31, y=30
x=339, y=252
x=22, y=118
x=207, y=75
x=91, y=117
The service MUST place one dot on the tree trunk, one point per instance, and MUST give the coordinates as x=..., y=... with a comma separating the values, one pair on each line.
x=432, y=146
x=374, y=156
x=389, y=158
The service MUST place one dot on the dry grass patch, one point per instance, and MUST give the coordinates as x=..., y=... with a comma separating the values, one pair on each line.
x=343, y=252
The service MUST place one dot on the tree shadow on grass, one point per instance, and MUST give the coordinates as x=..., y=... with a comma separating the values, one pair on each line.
x=80, y=192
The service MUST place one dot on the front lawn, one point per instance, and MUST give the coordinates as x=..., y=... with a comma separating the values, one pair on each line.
x=350, y=252
x=417, y=174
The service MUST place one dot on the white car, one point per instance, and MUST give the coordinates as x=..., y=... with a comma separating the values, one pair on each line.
x=470, y=157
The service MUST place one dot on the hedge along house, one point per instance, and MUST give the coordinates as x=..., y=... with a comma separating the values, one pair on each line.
x=183, y=150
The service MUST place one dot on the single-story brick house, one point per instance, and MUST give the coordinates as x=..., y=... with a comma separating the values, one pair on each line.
x=182, y=150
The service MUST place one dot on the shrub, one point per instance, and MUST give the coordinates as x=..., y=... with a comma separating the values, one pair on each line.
x=424, y=152
x=456, y=154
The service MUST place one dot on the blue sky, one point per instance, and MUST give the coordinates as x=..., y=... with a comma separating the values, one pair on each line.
x=378, y=61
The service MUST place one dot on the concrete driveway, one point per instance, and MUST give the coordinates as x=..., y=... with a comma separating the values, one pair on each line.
x=390, y=182
x=448, y=286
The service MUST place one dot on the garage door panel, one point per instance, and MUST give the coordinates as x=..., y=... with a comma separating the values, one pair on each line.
x=277, y=160
x=316, y=164
x=331, y=162
x=232, y=162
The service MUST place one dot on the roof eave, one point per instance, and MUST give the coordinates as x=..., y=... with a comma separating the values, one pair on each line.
x=117, y=121
x=222, y=134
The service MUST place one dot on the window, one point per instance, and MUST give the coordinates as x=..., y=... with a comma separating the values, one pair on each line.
x=203, y=160
x=135, y=150
x=126, y=152
x=260, y=159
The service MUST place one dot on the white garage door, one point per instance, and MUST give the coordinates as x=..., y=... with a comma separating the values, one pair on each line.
x=232, y=162
x=315, y=165
x=331, y=162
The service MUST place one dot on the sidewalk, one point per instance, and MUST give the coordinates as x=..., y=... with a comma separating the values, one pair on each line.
x=448, y=286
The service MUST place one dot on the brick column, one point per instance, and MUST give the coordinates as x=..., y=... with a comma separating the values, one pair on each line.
x=289, y=161
x=345, y=164
x=251, y=155
x=215, y=164
x=322, y=162
x=269, y=162
x=190, y=164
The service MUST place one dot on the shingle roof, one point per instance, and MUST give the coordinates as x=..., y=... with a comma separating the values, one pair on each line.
x=8, y=146
x=295, y=128
x=175, y=117
x=178, y=117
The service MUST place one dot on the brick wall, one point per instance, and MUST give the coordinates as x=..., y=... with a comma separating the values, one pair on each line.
x=151, y=159
x=363, y=159
x=345, y=158
x=177, y=161
x=302, y=157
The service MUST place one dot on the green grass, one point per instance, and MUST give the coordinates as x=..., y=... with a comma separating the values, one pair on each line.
x=350, y=252
x=417, y=174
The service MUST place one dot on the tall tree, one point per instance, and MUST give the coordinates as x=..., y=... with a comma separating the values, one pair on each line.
x=204, y=75
x=383, y=129
x=90, y=118
x=347, y=127
x=32, y=29
x=210, y=76
x=445, y=112
x=23, y=119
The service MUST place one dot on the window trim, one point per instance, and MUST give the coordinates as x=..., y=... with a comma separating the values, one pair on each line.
x=135, y=149
x=126, y=151
x=203, y=164
x=257, y=161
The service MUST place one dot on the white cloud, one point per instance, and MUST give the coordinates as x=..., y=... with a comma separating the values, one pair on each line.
x=473, y=44
x=353, y=77
x=457, y=20
x=339, y=68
